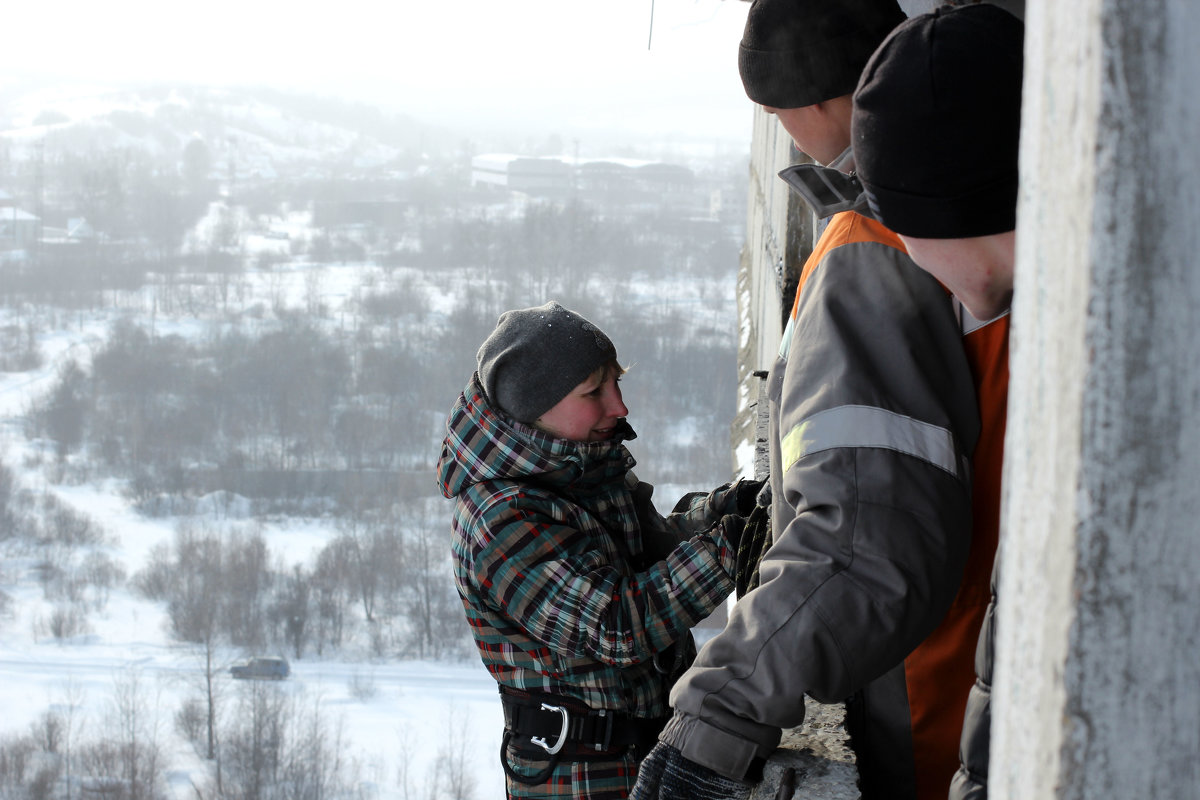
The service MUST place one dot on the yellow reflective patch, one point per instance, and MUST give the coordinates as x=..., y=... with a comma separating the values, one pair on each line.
x=794, y=444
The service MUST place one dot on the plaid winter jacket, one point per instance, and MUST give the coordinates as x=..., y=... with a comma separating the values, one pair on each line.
x=571, y=582
x=549, y=560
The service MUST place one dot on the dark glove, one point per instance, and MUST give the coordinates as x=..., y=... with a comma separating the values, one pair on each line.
x=747, y=495
x=672, y=662
x=756, y=538
x=666, y=775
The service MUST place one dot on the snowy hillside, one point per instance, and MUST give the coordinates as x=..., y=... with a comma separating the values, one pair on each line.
x=261, y=133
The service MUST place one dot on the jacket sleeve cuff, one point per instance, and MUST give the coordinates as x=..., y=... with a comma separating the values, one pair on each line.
x=725, y=753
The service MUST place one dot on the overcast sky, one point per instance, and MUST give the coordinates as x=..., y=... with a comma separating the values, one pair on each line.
x=562, y=64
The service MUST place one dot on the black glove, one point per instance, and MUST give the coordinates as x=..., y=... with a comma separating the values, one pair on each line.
x=672, y=662
x=747, y=495
x=756, y=538
x=666, y=775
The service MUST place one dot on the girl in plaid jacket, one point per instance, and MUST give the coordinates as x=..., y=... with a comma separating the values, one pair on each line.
x=580, y=596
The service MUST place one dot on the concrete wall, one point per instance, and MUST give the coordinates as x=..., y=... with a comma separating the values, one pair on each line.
x=1098, y=648
x=779, y=235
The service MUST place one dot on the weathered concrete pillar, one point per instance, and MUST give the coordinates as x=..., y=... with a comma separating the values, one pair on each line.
x=779, y=236
x=1098, y=644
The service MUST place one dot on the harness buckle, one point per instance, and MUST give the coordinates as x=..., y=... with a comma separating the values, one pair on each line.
x=540, y=741
x=604, y=740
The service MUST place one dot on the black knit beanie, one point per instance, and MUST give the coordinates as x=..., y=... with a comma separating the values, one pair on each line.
x=536, y=356
x=937, y=120
x=796, y=53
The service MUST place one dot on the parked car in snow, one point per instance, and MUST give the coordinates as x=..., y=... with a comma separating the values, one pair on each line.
x=274, y=669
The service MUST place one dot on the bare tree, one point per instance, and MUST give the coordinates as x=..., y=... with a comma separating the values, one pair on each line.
x=195, y=590
x=251, y=749
x=248, y=583
x=47, y=730
x=211, y=684
x=328, y=587
x=292, y=610
x=127, y=764
x=354, y=551
x=455, y=759
x=276, y=750
x=69, y=710
x=8, y=503
x=18, y=755
x=316, y=764
x=433, y=608
x=404, y=756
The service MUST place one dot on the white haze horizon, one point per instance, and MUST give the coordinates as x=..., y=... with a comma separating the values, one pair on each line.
x=652, y=69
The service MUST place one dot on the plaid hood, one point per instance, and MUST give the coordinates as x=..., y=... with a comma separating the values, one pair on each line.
x=483, y=444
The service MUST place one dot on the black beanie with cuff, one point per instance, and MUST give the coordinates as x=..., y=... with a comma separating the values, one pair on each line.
x=536, y=356
x=936, y=124
x=797, y=53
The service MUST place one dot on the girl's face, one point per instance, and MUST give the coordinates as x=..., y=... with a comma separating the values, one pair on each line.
x=590, y=411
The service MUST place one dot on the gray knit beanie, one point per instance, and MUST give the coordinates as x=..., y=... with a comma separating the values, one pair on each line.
x=536, y=356
x=796, y=53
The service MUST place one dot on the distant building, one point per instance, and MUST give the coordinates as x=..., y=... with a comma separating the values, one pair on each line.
x=536, y=176
x=616, y=180
x=76, y=231
x=18, y=229
x=632, y=178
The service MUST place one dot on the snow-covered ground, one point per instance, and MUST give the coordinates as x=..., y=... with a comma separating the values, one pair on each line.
x=390, y=712
x=395, y=715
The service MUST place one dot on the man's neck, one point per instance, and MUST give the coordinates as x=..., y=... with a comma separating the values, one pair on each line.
x=844, y=162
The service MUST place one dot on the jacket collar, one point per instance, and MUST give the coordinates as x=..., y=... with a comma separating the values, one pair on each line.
x=828, y=190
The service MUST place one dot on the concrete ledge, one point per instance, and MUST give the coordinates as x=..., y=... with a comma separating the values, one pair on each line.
x=814, y=761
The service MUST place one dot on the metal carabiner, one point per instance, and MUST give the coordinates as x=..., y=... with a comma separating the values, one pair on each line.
x=540, y=741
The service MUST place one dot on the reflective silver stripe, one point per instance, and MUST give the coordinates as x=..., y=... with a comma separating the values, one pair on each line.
x=867, y=426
